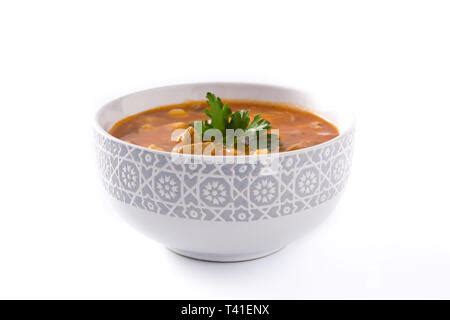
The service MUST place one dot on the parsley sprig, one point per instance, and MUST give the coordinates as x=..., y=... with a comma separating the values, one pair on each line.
x=222, y=118
x=219, y=114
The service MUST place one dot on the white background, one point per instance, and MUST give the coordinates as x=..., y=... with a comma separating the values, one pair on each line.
x=388, y=60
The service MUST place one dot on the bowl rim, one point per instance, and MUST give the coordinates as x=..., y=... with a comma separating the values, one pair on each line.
x=98, y=128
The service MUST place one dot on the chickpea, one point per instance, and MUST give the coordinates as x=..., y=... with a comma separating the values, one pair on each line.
x=155, y=147
x=145, y=127
x=178, y=125
x=177, y=112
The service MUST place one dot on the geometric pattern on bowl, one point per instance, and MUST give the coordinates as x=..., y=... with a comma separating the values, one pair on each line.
x=236, y=192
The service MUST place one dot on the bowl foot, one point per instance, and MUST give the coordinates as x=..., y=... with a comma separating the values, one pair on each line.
x=224, y=257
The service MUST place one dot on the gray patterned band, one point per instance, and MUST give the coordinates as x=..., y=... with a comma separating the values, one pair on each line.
x=236, y=192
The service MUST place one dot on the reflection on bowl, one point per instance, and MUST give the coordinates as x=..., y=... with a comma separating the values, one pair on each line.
x=221, y=211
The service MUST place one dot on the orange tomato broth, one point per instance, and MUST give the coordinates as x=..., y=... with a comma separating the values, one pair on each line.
x=153, y=128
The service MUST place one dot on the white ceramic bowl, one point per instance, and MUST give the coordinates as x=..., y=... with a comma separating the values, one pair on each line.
x=222, y=211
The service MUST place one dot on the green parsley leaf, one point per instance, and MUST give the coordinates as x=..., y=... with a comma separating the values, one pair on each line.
x=240, y=120
x=218, y=112
x=221, y=118
x=259, y=123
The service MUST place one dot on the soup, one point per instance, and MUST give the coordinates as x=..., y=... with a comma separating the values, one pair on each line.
x=154, y=128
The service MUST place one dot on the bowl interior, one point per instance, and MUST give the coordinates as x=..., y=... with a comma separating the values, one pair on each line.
x=147, y=99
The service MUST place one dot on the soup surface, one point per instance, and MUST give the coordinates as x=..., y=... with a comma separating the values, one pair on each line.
x=153, y=128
